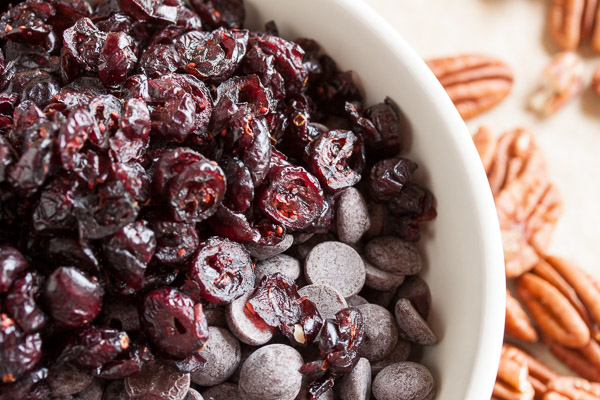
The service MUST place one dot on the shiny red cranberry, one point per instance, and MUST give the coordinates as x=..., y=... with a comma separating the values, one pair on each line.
x=12, y=263
x=92, y=346
x=72, y=297
x=388, y=177
x=173, y=322
x=21, y=302
x=223, y=269
x=220, y=13
x=292, y=197
x=175, y=241
x=19, y=352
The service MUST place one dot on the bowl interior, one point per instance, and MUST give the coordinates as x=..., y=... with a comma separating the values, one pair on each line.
x=462, y=247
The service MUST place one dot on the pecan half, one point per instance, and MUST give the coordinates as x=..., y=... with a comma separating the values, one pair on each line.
x=582, y=361
x=572, y=21
x=518, y=325
x=562, y=81
x=552, y=311
x=512, y=381
x=572, y=388
x=475, y=83
x=528, y=206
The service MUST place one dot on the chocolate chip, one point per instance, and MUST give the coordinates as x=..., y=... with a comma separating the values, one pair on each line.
x=244, y=326
x=263, y=252
x=328, y=300
x=282, y=263
x=412, y=326
x=246, y=351
x=193, y=394
x=222, y=354
x=66, y=379
x=377, y=216
x=400, y=353
x=215, y=317
x=404, y=381
x=224, y=391
x=301, y=250
x=357, y=384
x=93, y=391
x=115, y=390
x=381, y=332
x=352, y=217
x=383, y=299
x=417, y=291
x=379, y=279
x=121, y=314
x=271, y=373
x=392, y=254
x=159, y=380
x=356, y=300
x=301, y=237
x=335, y=264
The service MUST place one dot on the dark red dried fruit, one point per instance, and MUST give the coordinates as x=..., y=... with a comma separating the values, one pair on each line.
x=72, y=298
x=117, y=59
x=240, y=188
x=159, y=59
x=277, y=303
x=220, y=13
x=337, y=159
x=223, y=269
x=175, y=241
x=174, y=324
x=92, y=346
x=21, y=302
x=231, y=224
x=292, y=197
x=388, y=177
x=12, y=263
x=158, y=11
x=413, y=206
x=129, y=251
x=82, y=45
x=19, y=352
x=28, y=23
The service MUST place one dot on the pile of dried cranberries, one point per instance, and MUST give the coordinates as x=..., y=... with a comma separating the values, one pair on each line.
x=150, y=153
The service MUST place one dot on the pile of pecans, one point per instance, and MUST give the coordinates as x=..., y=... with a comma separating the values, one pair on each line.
x=549, y=300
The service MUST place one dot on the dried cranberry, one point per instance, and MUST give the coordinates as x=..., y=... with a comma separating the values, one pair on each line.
x=126, y=363
x=28, y=23
x=380, y=127
x=192, y=186
x=19, y=352
x=83, y=43
x=188, y=19
x=117, y=22
x=212, y=56
x=240, y=188
x=68, y=12
x=258, y=63
x=231, y=224
x=337, y=159
x=41, y=90
x=324, y=221
x=28, y=387
x=389, y=176
x=292, y=197
x=174, y=324
x=333, y=88
x=72, y=298
x=159, y=11
x=159, y=59
x=129, y=251
x=413, y=206
x=21, y=302
x=12, y=263
x=80, y=92
x=175, y=241
x=277, y=303
x=135, y=121
x=92, y=346
x=7, y=157
x=223, y=269
x=220, y=13
x=117, y=59
x=70, y=250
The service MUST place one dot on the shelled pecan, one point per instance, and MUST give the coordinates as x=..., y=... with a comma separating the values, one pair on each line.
x=518, y=324
x=474, y=82
x=572, y=21
x=571, y=388
x=561, y=81
x=528, y=205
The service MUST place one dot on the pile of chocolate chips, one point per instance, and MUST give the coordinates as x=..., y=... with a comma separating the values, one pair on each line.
x=163, y=174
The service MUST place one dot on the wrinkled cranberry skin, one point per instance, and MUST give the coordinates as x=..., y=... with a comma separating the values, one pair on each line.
x=92, y=346
x=69, y=250
x=231, y=224
x=413, y=206
x=175, y=241
x=72, y=298
x=223, y=269
x=292, y=197
x=135, y=121
x=277, y=303
x=29, y=387
x=337, y=158
x=159, y=59
x=174, y=324
x=12, y=263
x=388, y=177
x=19, y=352
x=54, y=210
x=21, y=302
x=240, y=187
x=158, y=11
x=220, y=13
x=129, y=251
x=212, y=56
x=83, y=43
x=117, y=59
x=28, y=24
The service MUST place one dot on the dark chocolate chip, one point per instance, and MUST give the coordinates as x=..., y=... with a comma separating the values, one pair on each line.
x=224, y=391
x=357, y=384
x=282, y=263
x=66, y=379
x=356, y=300
x=215, y=317
x=222, y=354
x=328, y=300
x=193, y=394
x=244, y=326
x=335, y=264
x=400, y=353
x=417, y=291
x=352, y=216
x=392, y=254
x=263, y=252
x=381, y=332
x=411, y=325
x=379, y=279
x=404, y=381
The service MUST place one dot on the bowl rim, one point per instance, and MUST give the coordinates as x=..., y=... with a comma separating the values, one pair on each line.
x=491, y=334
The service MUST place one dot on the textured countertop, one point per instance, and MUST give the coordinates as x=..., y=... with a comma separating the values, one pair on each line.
x=516, y=32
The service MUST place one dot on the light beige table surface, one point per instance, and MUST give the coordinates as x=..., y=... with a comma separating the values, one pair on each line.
x=515, y=31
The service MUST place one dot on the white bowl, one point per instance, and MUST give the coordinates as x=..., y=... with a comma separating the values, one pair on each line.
x=465, y=267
